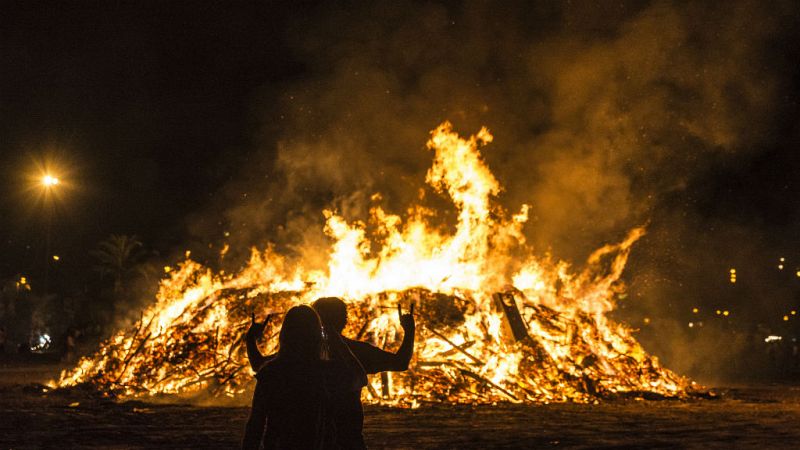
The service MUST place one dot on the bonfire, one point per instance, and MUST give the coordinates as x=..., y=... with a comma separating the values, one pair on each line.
x=496, y=321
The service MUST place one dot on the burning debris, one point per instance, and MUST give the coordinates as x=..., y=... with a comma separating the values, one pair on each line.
x=496, y=323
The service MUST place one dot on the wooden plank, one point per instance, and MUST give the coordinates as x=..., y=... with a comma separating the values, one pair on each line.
x=515, y=326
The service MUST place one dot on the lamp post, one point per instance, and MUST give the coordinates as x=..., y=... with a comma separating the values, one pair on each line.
x=49, y=183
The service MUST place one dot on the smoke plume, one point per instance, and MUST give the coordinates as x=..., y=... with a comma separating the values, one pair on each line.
x=603, y=114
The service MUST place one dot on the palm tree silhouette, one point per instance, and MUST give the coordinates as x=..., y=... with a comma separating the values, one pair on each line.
x=117, y=256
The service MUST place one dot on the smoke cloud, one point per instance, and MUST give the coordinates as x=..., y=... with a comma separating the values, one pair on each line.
x=603, y=114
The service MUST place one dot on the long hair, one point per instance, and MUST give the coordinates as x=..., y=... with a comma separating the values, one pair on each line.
x=301, y=335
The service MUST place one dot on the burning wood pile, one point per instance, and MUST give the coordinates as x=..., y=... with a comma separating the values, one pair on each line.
x=495, y=322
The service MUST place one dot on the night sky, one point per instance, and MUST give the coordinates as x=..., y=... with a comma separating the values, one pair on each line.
x=150, y=107
x=180, y=121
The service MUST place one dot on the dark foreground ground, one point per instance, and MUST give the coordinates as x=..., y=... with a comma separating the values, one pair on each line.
x=744, y=417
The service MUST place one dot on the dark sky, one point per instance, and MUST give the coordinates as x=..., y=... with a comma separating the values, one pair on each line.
x=149, y=105
x=181, y=120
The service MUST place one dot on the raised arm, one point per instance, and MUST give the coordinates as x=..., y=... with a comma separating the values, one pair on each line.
x=375, y=360
x=256, y=330
x=406, y=350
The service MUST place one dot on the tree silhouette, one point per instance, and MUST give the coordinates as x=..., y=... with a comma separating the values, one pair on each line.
x=117, y=256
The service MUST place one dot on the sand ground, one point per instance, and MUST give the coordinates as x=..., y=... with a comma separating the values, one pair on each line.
x=762, y=416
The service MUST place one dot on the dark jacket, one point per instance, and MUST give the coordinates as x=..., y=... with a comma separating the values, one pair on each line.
x=289, y=407
x=296, y=404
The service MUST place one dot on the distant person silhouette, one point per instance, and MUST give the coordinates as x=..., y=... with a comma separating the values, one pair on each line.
x=291, y=403
x=70, y=344
x=348, y=412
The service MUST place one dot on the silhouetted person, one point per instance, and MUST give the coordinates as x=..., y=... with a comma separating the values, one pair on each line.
x=70, y=344
x=348, y=412
x=291, y=403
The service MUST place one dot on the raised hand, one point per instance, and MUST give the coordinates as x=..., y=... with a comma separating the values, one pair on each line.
x=257, y=328
x=406, y=320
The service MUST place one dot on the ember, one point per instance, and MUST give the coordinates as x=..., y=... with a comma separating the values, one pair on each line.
x=496, y=322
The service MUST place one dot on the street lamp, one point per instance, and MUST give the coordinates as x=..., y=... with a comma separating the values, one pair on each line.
x=49, y=182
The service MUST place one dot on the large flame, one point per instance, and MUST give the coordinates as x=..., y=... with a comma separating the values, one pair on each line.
x=496, y=322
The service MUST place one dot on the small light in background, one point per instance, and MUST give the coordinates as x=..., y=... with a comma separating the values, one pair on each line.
x=56, y=257
x=691, y=324
x=726, y=313
x=23, y=283
x=42, y=343
x=646, y=321
x=695, y=310
x=785, y=318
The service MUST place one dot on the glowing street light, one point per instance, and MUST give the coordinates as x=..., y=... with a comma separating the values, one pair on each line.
x=50, y=181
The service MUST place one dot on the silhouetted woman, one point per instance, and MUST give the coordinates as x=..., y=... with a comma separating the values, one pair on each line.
x=292, y=400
